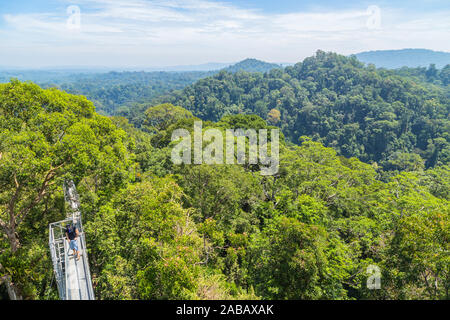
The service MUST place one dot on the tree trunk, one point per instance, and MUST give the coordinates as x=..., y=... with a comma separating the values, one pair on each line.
x=13, y=239
x=13, y=291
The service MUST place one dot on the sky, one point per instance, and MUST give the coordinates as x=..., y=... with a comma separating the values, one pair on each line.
x=155, y=33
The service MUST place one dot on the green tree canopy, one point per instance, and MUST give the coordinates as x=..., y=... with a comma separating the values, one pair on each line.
x=45, y=136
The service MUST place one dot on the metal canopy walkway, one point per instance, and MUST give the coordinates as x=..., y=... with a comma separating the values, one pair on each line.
x=72, y=277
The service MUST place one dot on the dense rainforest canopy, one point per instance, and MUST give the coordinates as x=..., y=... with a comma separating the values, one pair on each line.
x=119, y=92
x=375, y=115
x=114, y=91
x=156, y=230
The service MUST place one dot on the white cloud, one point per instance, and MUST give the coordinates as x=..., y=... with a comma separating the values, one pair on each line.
x=139, y=32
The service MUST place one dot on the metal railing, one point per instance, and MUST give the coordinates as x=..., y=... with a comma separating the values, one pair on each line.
x=58, y=253
x=59, y=250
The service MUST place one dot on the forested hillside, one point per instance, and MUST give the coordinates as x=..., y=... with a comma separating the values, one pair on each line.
x=110, y=91
x=122, y=92
x=156, y=230
x=391, y=118
x=431, y=74
x=252, y=65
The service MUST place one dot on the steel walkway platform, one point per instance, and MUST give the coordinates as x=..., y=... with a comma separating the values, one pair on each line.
x=73, y=276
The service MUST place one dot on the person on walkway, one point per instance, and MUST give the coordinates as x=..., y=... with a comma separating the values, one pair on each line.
x=72, y=235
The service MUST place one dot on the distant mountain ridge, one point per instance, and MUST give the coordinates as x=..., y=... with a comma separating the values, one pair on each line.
x=412, y=58
x=252, y=65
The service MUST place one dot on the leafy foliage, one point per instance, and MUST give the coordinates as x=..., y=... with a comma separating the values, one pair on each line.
x=252, y=65
x=156, y=230
x=359, y=111
x=46, y=136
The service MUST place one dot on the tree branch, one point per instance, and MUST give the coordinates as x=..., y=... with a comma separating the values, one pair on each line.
x=41, y=193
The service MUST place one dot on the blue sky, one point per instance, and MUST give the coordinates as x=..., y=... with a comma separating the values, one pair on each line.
x=149, y=33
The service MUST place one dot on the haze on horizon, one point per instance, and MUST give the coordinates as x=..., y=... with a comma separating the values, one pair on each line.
x=156, y=33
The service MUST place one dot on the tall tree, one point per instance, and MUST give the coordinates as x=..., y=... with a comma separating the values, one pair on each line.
x=44, y=136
